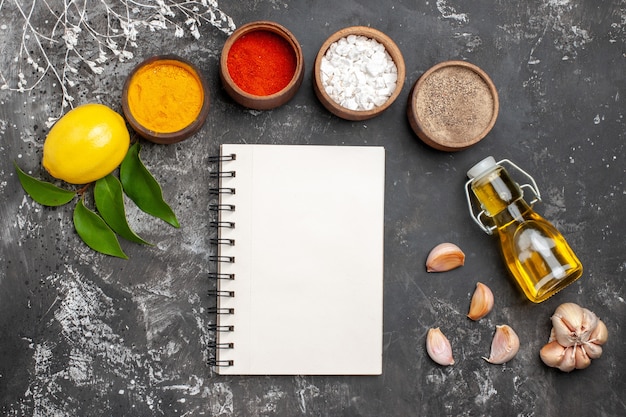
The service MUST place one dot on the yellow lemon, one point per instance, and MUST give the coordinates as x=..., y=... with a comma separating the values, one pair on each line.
x=86, y=144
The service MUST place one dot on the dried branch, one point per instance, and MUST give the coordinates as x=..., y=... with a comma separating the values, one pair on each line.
x=72, y=39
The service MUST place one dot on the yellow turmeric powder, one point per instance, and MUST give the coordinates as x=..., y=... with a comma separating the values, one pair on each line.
x=165, y=96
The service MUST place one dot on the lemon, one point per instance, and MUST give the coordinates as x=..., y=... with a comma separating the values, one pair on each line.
x=86, y=144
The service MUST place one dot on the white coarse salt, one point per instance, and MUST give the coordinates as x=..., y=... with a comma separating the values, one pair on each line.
x=358, y=73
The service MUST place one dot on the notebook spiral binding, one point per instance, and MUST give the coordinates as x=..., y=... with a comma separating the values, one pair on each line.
x=222, y=158
x=222, y=207
x=219, y=241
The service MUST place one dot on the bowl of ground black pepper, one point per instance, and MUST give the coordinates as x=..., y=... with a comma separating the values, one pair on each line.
x=453, y=106
x=262, y=65
x=165, y=99
x=359, y=72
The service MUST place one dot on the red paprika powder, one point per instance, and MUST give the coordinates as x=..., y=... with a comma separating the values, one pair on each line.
x=261, y=62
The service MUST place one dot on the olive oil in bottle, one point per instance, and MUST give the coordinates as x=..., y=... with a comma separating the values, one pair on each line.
x=534, y=251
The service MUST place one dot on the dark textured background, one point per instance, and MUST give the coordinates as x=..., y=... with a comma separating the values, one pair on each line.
x=84, y=334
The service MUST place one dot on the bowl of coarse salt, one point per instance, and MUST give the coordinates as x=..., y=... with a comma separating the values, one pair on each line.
x=359, y=72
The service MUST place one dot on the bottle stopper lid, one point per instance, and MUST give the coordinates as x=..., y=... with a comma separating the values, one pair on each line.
x=482, y=167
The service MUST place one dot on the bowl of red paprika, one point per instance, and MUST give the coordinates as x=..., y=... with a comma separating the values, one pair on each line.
x=261, y=66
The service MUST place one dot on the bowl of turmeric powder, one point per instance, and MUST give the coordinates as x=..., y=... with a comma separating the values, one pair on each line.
x=262, y=65
x=165, y=99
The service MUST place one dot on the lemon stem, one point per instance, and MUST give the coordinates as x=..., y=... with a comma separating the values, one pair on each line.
x=82, y=189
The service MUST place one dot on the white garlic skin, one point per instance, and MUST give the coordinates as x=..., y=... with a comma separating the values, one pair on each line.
x=589, y=324
x=593, y=350
x=582, y=359
x=504, y=346
x=444, y=257
x=438, y=347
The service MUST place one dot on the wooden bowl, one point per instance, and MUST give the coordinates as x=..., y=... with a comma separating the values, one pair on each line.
x=328, y=102
x=262, y=101
x=149, y=122
x=453, y=106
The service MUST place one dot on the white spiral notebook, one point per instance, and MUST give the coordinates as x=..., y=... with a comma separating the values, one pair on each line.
x=300, y=260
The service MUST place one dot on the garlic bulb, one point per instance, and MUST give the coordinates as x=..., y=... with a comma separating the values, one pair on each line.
x=482, y=302
x=444, y=257
x=504, y=346
x=576, y=338
x=438, y=347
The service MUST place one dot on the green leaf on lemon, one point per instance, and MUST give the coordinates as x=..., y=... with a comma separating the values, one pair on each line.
x=94, y=231
x=44, y=193
x=109, y=198
x=143, y=188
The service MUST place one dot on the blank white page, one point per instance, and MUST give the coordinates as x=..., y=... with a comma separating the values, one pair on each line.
x=308, y=260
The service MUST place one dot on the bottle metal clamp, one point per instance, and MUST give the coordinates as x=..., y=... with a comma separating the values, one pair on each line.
x=489, y=163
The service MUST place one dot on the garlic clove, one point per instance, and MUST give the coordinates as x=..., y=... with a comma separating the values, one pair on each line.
x=593, y=350
x=588, y=325
x=552, y=353
x=444, y=257
x=581, y=358
x=504, y=346
x=481, y=303
x=438, y=347
x=568, y=362
x=567, y=322
x=600, y=334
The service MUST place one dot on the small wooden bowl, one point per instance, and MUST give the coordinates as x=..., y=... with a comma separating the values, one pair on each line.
x=453, y=106
x=391, y=48
x=262, y=102
x=145, y=128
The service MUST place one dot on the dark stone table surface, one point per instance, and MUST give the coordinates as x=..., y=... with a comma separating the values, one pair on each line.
x=83, y=334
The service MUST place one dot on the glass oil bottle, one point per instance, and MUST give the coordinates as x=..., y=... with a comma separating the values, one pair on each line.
x=535, y=252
